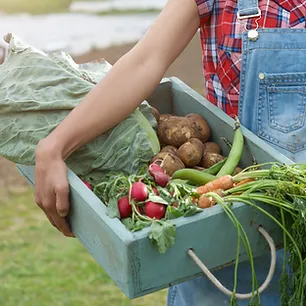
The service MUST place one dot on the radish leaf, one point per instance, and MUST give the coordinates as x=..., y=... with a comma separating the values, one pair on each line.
x=162, y=235
x=112, y=208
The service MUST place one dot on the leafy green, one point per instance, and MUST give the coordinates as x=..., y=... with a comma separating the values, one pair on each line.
x=283, y=187
x=135, y=225
x=112, y=208
x=176, y=197
x=173, y=213
x=162, y=234
x=157, y=199
x=38, y=90
x=140, y=224
x=128, y=223
x=192, y=210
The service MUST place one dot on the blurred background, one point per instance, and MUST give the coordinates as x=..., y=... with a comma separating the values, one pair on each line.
x=39, y=267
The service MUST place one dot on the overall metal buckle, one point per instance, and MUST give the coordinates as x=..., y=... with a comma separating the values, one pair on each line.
x=252, y=33
x=239, y=17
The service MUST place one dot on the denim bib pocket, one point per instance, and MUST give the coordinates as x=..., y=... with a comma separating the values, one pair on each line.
x=282, y=110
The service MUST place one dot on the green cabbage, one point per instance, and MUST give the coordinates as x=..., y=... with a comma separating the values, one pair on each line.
x=38, y=90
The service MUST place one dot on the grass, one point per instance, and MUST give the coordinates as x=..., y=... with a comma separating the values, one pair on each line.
x=128, y=12
x=40, y=267
x=34, y=6
x=51, y=6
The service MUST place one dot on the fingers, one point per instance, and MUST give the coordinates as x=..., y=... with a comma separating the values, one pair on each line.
x=50, y=219
x=38, y=198
x=55, y=219
x=51, y=212
x=62, y=208
x=54, y=201
x=62, y=199
x=62, y=224
x=40, y=205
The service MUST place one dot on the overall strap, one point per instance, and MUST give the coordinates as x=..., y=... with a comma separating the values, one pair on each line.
x=248, y=9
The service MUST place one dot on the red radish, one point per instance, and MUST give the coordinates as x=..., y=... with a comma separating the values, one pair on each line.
x=155, y=190
x=88, y=185
x=125, y=208
x=139, y=209
x=154, y=210
x=139, y=191
x=155, y=168
x=161, y=179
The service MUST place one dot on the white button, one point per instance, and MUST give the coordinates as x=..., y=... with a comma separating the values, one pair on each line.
x=261, y=76
x=253, y=35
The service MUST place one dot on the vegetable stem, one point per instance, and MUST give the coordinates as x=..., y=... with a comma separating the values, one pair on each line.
x=300, y=287
x=245, y=241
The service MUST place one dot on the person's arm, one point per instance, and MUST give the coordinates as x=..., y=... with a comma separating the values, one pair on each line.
x=131, y=80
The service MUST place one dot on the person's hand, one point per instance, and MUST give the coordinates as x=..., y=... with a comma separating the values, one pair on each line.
x=51, y=186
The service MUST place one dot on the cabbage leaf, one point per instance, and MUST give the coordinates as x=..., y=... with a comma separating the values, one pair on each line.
x=38, y=90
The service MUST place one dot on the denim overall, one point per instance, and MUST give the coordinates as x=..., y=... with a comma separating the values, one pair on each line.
x=273, y=106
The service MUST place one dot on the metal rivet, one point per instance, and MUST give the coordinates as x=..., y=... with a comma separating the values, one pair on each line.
x=261, y=76
x=253, y=35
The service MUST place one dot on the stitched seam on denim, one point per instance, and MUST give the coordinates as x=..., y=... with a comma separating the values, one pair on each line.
x=261, y=132
x=295, y=149
x=285, y=78
x=173, y=296
x=298, y=123
x=242, y=74
x=286, y=82
x=270, y=48
x=281, y=30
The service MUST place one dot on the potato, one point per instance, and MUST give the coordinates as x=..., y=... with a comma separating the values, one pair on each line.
x=169, y=162
x=200, y=124
x=212, y=147
x=164, y=117
x=176, y=130
x=237, y=170
x=198, y=143
x=159, y=157
x=169, y=149
x=191, y=152
x=155, y=113
x=210, y=159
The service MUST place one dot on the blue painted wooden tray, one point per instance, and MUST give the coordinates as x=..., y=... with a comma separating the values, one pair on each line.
x=129, y=258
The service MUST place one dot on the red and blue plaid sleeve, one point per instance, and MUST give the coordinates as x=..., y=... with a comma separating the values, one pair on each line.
x=205, y=8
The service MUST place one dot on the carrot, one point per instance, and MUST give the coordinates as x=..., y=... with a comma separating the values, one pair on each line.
x=194, y=200
x=224, y=182
x=208, y=201
x=244, y=182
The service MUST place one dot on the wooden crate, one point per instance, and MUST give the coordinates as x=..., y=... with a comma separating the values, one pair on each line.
x=129, y=258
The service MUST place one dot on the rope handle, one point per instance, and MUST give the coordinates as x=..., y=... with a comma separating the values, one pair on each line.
x=241, y=296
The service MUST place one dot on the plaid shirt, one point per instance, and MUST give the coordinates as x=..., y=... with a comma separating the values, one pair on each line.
x=220, y=33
